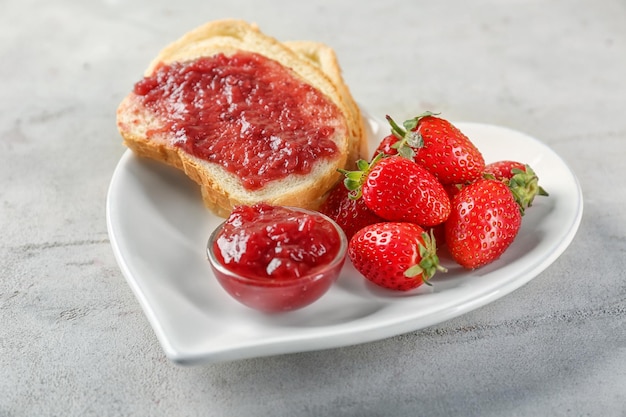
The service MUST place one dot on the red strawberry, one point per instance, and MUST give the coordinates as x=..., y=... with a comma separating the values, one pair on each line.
x=438, y=145
x=521, y=179
x=398, y=189
x=452, y=189
x=503, y=170
x=386, y=146
x=398, y=256
x=350, y=214
x=484, y=221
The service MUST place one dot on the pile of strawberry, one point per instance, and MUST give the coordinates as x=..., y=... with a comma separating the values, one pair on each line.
x=426, y=187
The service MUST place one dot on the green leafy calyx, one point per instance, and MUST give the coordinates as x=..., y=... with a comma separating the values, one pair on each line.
x=354, y=179
x=409, y=139
x=429, y=262
x=524, y=185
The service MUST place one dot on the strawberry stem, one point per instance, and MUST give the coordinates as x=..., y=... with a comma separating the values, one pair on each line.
x=524, y=185
x=354, y=179
x=429, y=263
x=395, y=129
x=408, y=140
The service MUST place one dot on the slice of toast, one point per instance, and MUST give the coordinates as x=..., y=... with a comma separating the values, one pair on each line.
x=221, y=189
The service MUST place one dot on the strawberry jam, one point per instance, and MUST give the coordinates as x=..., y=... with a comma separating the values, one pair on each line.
x=245, y=112
x=275, y=258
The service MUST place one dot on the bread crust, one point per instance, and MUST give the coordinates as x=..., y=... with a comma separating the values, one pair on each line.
x=324, y=57
x=220, y=189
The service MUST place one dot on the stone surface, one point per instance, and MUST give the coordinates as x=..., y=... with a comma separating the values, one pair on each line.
x=74, y=340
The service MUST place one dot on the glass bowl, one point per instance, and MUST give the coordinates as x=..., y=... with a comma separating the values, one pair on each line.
x=278, y=295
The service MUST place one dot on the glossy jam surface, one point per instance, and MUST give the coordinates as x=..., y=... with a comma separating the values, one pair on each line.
x=244, y=112
x=277, y=259
x=276, y=243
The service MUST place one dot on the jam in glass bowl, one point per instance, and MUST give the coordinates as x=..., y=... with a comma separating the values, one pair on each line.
x=276, y=258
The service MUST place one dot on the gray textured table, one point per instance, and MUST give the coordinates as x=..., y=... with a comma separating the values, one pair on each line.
x=73, y=338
